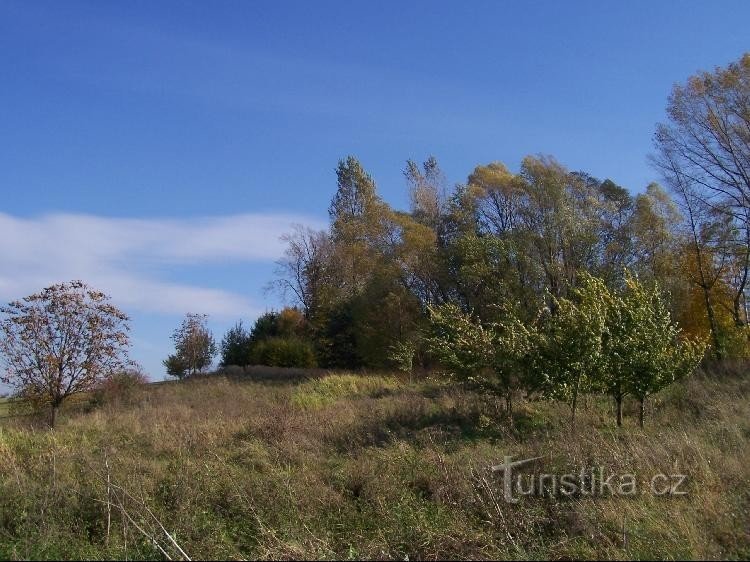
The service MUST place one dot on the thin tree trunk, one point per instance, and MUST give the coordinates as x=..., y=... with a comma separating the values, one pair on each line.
x=618, y=401
x=704, y=285
x=642, y=411
x=712, y=324
x=53, y=416
x=573, y=408
x=739, y=305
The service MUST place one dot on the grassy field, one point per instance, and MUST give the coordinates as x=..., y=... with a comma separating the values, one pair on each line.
x=345, y=466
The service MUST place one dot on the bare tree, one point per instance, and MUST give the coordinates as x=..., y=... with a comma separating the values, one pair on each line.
x=704, y=150
x=304, y=269
x=62, y=341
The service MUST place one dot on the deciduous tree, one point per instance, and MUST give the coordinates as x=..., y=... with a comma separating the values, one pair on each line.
x=491, y=357
x=62, y=341
x=703, y=150
x=195, y=347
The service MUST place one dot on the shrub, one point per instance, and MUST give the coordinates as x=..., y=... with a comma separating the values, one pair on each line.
x=235, y=346
x=119, y=388
x=283, y=352
x=490, y=356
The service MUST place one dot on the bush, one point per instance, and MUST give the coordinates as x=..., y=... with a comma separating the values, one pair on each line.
x=283, y=352
x=119, y=388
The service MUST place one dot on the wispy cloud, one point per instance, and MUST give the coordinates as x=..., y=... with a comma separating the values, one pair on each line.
x=130, y=258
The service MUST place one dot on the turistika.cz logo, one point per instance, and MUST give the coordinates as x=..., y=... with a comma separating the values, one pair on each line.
x=587, y=482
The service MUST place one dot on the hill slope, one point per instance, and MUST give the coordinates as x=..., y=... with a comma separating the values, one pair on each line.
x=370, y=467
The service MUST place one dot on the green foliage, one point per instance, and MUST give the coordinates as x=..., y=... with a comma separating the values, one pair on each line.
x=459, y=343
x=529, y=237
x=235, y=347
x=570, y=352
x=283, y=352
x=616, y=342
x=383, y=315
x=175, y=366
x=265, y=327
x=401, y=354
x=647, y=351
x=492, y=356
x=288, y=322
x=336, y=338
x=356, y=194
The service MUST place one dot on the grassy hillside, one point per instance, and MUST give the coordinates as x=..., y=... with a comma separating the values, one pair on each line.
x=348, y=466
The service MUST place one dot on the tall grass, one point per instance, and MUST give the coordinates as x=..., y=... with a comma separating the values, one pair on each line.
x=346, y=466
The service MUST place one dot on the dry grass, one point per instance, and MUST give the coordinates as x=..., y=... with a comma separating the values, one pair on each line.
x=346, y=466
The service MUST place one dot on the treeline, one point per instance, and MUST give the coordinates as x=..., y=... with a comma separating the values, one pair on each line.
x=369, y=291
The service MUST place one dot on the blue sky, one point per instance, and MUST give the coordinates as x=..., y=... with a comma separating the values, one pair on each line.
x=159, y=149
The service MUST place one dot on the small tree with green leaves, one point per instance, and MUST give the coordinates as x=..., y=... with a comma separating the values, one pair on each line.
x=491, y=357
x=195, y=347
x=569, y=354
x=235, y=346
x=401, y=354
x=175, y=366
x=646, y=350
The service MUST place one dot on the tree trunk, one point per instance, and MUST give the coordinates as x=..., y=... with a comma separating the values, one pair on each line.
x=53, y=415
x=718, y=352
x=704, y=283
x=573, y=409
x=739, y=308
x=509, y=405
x=618, y=401
x=642, y=411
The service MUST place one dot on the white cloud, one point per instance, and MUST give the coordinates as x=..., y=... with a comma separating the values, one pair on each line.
x=128, y=258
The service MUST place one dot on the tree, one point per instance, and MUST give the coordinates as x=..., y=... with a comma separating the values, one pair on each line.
x=287, y=323
x=235, y=346
x=360, y=223
x=703, y=151
x=491, y=357
x=356, y=193
x=550, y=220
x=615, y=246
x=646, y=349
x=176, y=366
x=426, y=191
x=306, y=270
x=484, y=271
x=195, y=347
x=570, y=351
x=62, y=341
x=621, y=325
x=654, y=229
x=704, y=269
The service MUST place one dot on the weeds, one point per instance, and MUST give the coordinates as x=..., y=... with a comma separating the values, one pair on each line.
x=346, y=466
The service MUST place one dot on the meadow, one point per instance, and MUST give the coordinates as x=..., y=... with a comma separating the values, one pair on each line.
x=333, y=465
